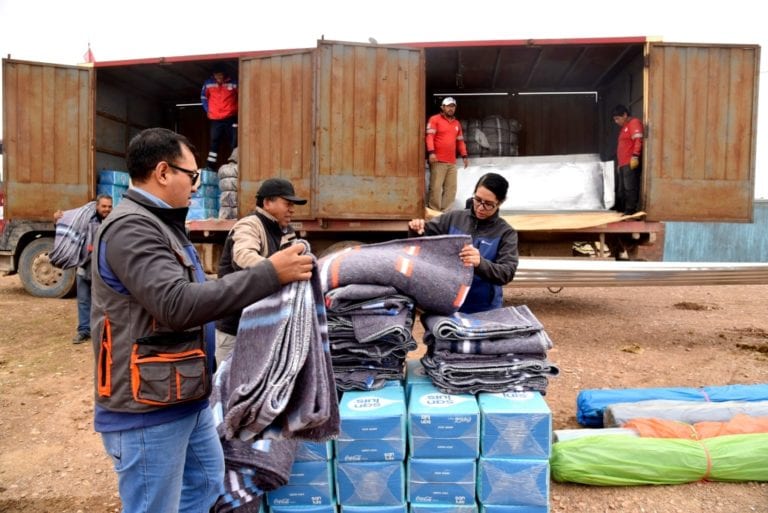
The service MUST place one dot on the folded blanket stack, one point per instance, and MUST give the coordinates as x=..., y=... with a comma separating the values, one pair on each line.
x=275, y=388
x=371, y=294
x=495, y=351
x=370, y=332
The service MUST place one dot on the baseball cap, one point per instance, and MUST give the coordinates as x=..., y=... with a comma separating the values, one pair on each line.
x=449, y=101
x=279, y=187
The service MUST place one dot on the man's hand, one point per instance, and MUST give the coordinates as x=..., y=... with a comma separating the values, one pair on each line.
x=466, y=161
x=291, y=265
x=416, y=225
x=57, y=215
x=634, y=163
x=432, y=159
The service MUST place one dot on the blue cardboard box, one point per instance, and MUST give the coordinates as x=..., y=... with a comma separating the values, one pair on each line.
x=328, y=508
x=314, y=451
x=370, y=483
x=114, y=191
x=441, y=481
x=515, y=425
x=443, y=508
x=501, y=508
x=400, y=508
x=310, y=484
x=513, y=482
x=415, y=374
x=372, y=425
x=442, y=425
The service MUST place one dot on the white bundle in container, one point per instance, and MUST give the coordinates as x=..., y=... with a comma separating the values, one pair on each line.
x=496, y=130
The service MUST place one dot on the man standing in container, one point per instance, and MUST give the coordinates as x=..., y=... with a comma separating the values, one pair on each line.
x=444, y=138
x=154, y=337
x=628, y=153
x=219, y=99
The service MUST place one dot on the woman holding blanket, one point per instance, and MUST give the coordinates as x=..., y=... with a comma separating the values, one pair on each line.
x=493, y=252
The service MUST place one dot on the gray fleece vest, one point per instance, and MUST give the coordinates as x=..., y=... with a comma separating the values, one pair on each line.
x=142, y=366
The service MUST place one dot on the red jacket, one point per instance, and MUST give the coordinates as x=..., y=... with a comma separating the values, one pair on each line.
x=443, y=137
x=219, y=100
x=630, y=141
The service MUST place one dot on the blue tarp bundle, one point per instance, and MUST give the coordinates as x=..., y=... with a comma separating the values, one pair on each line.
x=590, y=404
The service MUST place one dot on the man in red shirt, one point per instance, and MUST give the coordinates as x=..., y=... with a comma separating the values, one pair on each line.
x=628, y=152
x=219, y=99
x=444, y=137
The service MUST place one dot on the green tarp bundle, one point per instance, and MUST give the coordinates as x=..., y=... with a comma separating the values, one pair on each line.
x=625, y=460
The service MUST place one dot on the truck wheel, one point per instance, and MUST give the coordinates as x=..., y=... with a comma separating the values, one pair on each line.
x=39, y=276
x=338, y=246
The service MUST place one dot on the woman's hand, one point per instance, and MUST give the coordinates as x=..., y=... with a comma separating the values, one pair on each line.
x=470, y=255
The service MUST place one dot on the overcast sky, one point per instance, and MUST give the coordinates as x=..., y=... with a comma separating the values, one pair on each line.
x=58, y=31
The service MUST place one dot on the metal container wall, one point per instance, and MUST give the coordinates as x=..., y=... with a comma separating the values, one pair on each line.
x=47, y=126
x=719, y=242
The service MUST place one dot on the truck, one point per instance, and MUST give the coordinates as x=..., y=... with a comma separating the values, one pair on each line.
x=345, y=123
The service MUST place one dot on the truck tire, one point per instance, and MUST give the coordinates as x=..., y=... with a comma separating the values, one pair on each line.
x=39, y=276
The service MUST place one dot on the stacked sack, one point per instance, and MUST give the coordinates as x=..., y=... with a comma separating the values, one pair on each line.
x=499, y=350
x=228, y=184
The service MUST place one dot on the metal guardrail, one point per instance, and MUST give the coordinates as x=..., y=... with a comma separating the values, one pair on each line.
x=570, y=272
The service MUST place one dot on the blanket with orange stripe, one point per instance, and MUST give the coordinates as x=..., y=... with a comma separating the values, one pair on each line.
x=427, y=269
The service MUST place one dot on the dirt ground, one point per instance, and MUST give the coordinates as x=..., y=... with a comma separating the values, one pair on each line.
x=51, y=460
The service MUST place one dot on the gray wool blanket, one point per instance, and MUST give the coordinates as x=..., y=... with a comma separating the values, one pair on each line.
x=364, y=299
x=253, y=467
x=488, y=373
x=534, y=342
x=281, y=384
x=500, y=322
x=427, y=269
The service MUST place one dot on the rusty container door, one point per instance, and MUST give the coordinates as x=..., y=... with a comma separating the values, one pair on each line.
x=48, y=135
x=370, y=131
x=701, y=114
x=276, y=126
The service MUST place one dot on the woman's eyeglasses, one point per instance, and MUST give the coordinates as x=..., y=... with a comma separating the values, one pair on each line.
x=485, y=205
x=193, y=175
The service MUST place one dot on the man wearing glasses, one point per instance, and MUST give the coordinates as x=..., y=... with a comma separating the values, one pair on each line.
x=493, y=252
x=254, y=238
x=154, y=336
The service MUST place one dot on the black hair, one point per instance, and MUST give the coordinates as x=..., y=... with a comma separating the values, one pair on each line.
x=103, y=196
x=218, y=67
x=152, y=146
x=495, y=183
x=619, y=110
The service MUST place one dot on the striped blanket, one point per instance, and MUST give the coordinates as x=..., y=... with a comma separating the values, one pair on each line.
x=74, y=234
x=427, y=269
x=281, y=380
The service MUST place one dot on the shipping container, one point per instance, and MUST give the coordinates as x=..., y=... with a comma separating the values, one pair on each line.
x=345, y=123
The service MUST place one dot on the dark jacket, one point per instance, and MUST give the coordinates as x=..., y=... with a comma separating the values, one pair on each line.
x=497, y=242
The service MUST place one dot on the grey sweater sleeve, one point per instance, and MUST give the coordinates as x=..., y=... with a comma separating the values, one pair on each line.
x=154, y=276
x=502, y=270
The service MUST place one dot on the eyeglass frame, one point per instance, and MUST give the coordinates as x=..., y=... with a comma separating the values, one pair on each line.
x=193, y=175
x=485, y=205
